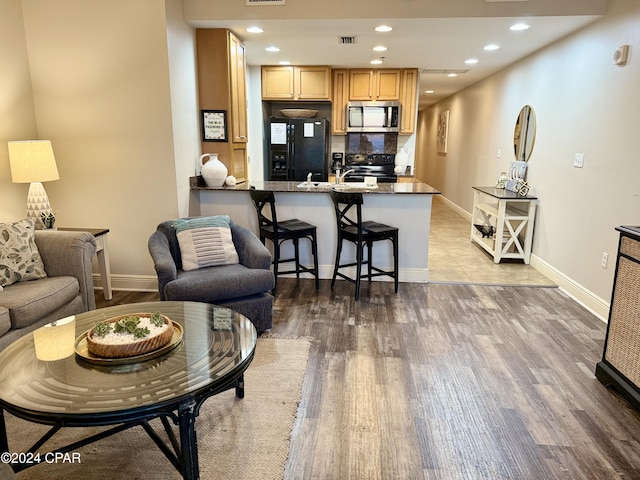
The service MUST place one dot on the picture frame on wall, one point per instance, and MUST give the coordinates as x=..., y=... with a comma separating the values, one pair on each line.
x=214, y=125
x=443, y=131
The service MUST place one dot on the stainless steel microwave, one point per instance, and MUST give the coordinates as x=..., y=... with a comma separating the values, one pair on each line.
x=373, y=117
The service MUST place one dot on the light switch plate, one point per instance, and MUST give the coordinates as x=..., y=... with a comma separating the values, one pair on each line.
x=578, y=160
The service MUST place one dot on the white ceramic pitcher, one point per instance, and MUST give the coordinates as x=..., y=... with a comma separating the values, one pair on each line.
x=213, y=170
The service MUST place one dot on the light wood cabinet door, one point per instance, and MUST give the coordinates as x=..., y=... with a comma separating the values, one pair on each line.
x=312, y=83
x=374, y=84
x=387, y=84
x=361, y=85
x=409, y=99
x=277, y=83
x=237, y=71
x=339, y=102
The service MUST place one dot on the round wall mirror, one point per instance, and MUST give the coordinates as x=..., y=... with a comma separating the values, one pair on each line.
x=524, y=134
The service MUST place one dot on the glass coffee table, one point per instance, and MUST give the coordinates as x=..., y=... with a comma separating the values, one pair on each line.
x=214, y=348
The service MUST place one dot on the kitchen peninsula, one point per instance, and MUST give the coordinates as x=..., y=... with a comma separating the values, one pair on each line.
x=403, y=205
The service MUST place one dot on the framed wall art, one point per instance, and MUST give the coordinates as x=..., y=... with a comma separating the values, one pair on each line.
x=443, y=131
x=214, y=125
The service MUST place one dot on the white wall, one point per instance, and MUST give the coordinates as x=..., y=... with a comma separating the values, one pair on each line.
x=584, y=104
x=102, y=94
x=184, y=101
x=17, y=114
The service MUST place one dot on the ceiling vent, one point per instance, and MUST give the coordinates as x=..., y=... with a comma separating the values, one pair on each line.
x=258, y=3
x=441, y=71
x=347, y=40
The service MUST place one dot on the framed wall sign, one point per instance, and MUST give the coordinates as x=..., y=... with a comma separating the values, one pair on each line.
x=214, y=125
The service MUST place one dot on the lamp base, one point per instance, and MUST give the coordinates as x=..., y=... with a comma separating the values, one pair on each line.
x=37, y=203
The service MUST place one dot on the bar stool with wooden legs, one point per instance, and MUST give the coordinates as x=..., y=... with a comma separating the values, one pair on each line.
x=361, y=233
x=281, y=231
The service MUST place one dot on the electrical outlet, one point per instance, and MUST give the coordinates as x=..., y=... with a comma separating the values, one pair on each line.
x=499, y=153
x=578, y=160
x=605, y=259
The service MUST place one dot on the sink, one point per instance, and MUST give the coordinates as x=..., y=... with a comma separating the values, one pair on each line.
x=314, y=185
x=353, y=186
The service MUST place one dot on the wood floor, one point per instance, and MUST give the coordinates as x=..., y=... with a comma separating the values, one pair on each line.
x=450, y=381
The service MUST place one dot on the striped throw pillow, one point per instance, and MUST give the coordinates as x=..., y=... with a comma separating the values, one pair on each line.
x=205, y=242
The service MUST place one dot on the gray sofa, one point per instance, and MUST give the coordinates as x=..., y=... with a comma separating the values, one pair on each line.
x=67, y=289
x=243, y=287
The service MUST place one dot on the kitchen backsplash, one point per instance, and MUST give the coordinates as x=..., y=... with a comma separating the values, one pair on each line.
x=366, y=143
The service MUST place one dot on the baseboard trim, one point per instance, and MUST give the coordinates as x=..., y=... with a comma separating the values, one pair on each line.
x=129, y=283
x=149, y=283
x=585, y=297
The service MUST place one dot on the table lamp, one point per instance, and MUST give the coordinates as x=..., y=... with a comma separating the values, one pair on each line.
x=32, y=161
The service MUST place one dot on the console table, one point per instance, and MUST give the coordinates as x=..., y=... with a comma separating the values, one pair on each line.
x=507, y=218
x=102, y=253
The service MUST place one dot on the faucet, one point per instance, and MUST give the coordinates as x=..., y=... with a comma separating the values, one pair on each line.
x=309, y=178
x=340, y=178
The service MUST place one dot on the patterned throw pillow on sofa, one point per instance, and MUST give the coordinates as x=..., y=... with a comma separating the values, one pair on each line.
x=19, y=256
x=205, y=242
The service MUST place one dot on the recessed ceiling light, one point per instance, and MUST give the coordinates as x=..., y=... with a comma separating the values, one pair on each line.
x=471, y=61
x=491, y=47
x=517, y=27
x=452, y=75
x=380, y=48
x=376, y=62
x=430, y=91
x=272, y=49
x=255, y=29
x=284, y=62
x=383, y=28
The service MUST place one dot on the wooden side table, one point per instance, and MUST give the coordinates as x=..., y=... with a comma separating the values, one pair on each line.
x=102, y=253
x=508, y=218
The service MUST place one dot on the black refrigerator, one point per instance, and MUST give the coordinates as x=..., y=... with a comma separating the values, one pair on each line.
x=297, y=147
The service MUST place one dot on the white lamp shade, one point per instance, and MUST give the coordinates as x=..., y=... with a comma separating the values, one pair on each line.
x=32, y=161
x=55, y=340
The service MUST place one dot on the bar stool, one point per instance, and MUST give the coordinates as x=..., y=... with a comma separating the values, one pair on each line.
x=361, y=233
x=279, y=232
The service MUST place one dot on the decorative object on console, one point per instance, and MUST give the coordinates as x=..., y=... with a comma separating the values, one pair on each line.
x=213, y=170
x=32, y=161
x=502, y=181
x=231, y=181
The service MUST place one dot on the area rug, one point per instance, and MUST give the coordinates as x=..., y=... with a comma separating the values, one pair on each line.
x=240, y=439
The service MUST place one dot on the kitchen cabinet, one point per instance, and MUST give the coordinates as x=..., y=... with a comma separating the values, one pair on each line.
x=409, y=101
x=306, y=83
x=381, y=84
x=339, y=101
x=507, y=219
x=221, y=66
x=620, y=365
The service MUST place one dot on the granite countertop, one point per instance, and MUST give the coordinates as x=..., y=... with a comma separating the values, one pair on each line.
x=197, y=183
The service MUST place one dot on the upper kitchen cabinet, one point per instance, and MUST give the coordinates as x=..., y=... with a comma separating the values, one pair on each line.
x=222, y=86
x=306, y=83
x=374, y=84
x=339, y=102
x=409, y=100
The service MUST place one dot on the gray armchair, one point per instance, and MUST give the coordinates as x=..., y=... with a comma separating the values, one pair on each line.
x=243, y=287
